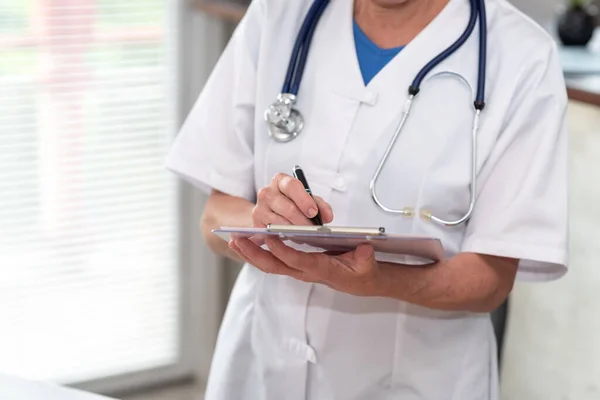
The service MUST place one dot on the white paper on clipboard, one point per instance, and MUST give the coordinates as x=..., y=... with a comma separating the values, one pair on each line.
x=411, y=249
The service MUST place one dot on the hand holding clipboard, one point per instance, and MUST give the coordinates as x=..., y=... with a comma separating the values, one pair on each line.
x=331, y=238
x=342, y=239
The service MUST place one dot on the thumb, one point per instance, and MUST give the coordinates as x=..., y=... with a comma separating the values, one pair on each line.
x=364, y=253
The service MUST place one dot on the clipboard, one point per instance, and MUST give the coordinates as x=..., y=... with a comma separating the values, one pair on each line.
x=388, y=247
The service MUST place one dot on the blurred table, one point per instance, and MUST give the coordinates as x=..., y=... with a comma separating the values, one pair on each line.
x=584, y=88
x=12, y=388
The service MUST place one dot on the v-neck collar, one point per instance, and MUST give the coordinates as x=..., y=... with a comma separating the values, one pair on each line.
x=361, y=36
x=434, y=38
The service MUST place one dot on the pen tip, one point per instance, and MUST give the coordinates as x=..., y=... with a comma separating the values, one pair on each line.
x=296, y=167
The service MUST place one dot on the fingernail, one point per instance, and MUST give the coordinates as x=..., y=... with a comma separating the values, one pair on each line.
x=312, y=212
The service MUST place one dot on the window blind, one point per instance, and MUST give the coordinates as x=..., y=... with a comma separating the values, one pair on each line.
x=88, y=216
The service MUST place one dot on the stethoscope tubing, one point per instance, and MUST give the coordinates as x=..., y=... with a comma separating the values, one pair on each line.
x=297, y=65
x=300, y=51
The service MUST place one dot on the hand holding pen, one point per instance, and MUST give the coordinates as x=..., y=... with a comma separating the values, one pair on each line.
x=287, y=200
x=299, y=174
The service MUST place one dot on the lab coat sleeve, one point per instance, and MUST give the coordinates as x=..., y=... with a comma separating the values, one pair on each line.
x=522, y=194
x=214, y=148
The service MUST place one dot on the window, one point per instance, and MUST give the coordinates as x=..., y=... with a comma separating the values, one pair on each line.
x=89, y=229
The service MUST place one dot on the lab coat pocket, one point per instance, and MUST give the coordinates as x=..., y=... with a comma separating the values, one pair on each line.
x=438, y=353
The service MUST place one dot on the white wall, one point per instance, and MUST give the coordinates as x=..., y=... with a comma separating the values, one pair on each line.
x=201, y=44
x=540, y=10
x=551, y=347
x=552, y=342
x=544, y=11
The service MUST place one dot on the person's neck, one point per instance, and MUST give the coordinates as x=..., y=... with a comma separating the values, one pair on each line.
x=395, y=25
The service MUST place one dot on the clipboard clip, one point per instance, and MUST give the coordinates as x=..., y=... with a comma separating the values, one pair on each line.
x=340, y=230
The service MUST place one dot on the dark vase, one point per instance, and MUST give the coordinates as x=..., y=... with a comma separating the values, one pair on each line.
x=576, y=26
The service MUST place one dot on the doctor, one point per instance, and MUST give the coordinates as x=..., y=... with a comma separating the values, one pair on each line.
x=480, y=162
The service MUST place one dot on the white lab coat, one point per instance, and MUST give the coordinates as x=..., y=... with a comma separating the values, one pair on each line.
x=285, y=339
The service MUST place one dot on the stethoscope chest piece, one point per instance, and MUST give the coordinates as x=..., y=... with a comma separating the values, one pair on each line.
x=283, y=120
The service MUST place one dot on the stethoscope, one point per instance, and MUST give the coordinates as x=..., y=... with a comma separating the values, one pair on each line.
x=285, y=122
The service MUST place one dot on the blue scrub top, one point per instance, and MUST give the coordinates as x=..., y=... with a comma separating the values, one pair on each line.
x=371, y=57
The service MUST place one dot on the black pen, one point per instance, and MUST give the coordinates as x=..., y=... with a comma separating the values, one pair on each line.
x=299, y=174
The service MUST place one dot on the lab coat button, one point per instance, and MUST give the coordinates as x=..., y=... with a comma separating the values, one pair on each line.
x=311, y=355
x=340, y=183
x=370, y=98
x=302, y=350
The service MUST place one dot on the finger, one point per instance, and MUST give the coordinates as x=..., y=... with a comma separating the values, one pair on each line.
x=265, y=217
x=307, y=262
x=233, y=246
x=324, y=209
x=272, y=201
x=286, y=208
x=265, y=261
x=277, y=219
x=236, y=249
x=293, y=189
x=361, y=260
